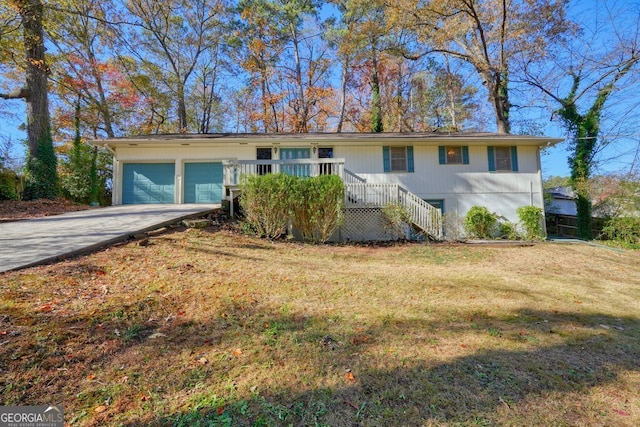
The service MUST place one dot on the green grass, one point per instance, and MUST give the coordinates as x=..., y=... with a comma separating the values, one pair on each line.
x=204, y=328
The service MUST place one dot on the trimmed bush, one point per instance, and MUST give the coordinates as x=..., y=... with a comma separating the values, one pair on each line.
x=479, y=222
x=265, y=202
x=317, y=204
x=313, y=205
x=531, y=221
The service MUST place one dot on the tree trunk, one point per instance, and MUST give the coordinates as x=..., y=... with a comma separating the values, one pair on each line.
x=343, y=94
x=302, y=112
x=376, y=107
x=499, y=98
x=182, y=109
x=42, y=180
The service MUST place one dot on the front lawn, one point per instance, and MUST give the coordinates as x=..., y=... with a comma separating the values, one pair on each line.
x=207, y=328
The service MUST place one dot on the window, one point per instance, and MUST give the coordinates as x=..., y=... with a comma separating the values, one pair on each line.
x=325, y=153
x=503, y=159
x=397, y=159
x=263, y=154
x=453, y=155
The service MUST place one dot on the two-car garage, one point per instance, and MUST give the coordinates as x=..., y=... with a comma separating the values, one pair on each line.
x=153, y=183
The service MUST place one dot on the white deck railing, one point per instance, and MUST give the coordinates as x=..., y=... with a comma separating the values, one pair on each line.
x=235, y=169
x=423, y=215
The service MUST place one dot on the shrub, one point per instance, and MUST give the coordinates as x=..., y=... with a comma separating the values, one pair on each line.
x=265, y=202
x=312, y=205
x=624, y=229
x=9, y=181
x=508, y=230
x=531, y=221
x=479, y=222
x=326, y=205
x=452, y=225
x=395, y=218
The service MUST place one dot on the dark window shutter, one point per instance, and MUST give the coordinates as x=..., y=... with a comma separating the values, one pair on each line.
x=386, y=159
x=465, y=155
x=492, y=159
x=410, y=167
x=514, y=159
x=442, y=155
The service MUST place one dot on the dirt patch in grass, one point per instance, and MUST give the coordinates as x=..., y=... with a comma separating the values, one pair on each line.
x=13, y=210
x=207, y=327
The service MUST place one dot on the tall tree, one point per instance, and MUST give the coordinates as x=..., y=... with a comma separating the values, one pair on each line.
x=42, y=178
x=169, y=39
x=257, y=43
x=487, y=34
x=368, y=37
x=83, y=69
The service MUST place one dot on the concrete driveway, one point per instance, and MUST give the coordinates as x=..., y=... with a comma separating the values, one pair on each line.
x=37, y=241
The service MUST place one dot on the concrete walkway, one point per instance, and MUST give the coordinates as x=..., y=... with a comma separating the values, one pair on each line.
x=37, y=241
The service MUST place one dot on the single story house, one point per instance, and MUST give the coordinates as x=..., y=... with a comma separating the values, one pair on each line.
x=432, y=173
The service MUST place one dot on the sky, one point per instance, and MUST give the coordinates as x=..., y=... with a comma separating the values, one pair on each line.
x=618, y=155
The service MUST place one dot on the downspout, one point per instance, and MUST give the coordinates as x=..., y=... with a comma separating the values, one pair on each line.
x=544, y=214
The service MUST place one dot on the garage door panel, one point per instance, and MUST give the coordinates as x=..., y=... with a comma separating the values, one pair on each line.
x=203, y=182
x=148, y=183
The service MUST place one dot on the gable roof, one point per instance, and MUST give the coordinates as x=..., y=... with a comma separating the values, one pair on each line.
x=417, y=138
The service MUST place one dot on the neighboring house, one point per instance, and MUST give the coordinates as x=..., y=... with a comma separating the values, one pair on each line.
x=451, y=172
x=561, y=201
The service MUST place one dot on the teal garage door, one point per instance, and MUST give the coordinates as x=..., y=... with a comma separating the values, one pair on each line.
x=144, y=183
x=203, y=182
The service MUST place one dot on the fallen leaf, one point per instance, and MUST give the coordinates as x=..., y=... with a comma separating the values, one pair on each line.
x=157, y=335
x=350, y=377
x=145, y=398
x=45, y=308
x=3, y=332
x=237, y=352
x=100, y=409
x=220, y=410
x=91, y=377
x=181, y=313
x=620, y=412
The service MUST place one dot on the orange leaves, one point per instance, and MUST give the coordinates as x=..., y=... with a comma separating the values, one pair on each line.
x=48, y=307
x=350, y=377
x=100, y=409
x=237, y=352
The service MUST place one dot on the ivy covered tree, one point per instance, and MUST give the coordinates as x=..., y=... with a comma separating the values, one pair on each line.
x=595, y=79
x=42, y=177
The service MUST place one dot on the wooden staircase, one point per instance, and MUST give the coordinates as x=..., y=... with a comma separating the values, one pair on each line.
x=360, y=194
